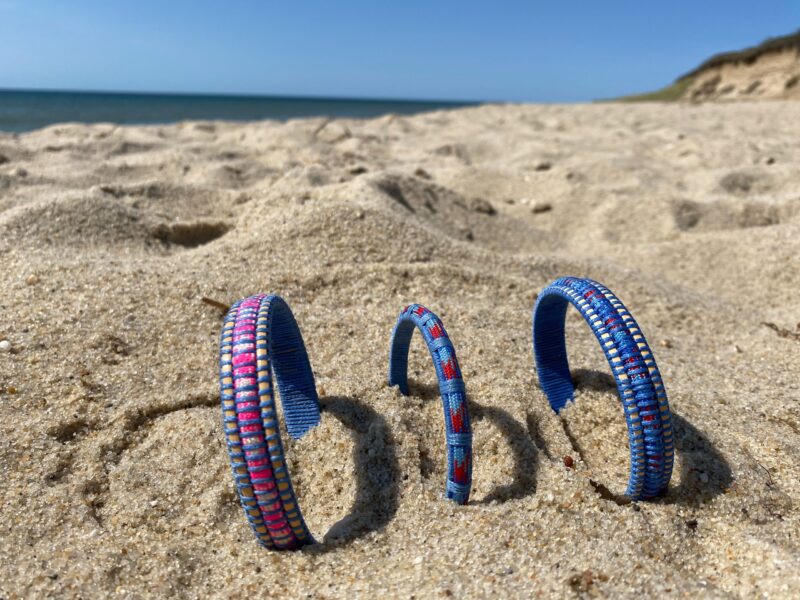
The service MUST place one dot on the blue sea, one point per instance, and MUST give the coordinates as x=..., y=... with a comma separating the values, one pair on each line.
x=26, y=110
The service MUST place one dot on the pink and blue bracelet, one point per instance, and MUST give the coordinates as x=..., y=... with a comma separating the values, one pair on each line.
x=261, y=347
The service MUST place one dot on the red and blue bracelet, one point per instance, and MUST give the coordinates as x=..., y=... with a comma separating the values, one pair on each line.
x=458, y=433
x=261, y=346
x=641, y=390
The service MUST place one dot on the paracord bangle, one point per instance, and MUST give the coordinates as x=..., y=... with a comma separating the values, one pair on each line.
x=451, y=388
x=260, y=338
x=641, y=390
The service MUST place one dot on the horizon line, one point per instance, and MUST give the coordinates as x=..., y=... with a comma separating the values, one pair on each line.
x=335, y=98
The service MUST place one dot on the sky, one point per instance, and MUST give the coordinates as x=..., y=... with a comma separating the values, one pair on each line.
x=435, y=49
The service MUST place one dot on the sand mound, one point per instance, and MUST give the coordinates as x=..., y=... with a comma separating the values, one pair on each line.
x=111, y=451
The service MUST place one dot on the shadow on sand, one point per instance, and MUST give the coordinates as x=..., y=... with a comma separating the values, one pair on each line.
x=704, y=472
x=522, y=440
x=377, y=473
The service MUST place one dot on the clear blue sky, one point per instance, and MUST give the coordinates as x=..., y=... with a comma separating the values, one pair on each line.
x=437, y=49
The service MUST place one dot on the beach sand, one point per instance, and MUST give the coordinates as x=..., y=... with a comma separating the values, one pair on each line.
x=115, y=478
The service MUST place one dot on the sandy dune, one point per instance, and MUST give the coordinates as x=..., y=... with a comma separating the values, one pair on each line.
x=767, y=71
x=115, y=477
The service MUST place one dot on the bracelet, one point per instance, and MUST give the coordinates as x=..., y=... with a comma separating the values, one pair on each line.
x=260, y=339
x=641, y=390
x=451, y=388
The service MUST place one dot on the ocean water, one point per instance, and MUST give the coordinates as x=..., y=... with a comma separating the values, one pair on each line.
x=27, y=110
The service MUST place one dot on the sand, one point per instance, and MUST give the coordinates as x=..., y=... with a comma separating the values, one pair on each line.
x=115, y=476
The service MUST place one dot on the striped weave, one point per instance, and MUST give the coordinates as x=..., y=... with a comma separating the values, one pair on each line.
x=451, y=388
x=260, y=339
x=641, y=390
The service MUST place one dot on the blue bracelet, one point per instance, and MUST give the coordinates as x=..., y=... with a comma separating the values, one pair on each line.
x=451, y=388
x=641, y=390
x=259, y=339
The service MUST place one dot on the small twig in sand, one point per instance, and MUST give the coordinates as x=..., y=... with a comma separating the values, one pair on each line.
x=322, y=126
x=782, y=332
x=216, y=304
x=766, y=470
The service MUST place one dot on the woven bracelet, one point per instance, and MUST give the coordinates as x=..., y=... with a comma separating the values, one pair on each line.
x=451, y=388
x=260, y=340
x=641, y=390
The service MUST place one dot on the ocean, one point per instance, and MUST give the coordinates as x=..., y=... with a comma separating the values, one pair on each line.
x=26, y=110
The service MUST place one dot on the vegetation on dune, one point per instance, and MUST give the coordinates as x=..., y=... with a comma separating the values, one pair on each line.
x=670, y=93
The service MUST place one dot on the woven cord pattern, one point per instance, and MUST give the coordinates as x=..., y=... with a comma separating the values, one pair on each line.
x=639, y=384
x=241, y=475
x=260, y=338
x=663, y=415
x=451, y=387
